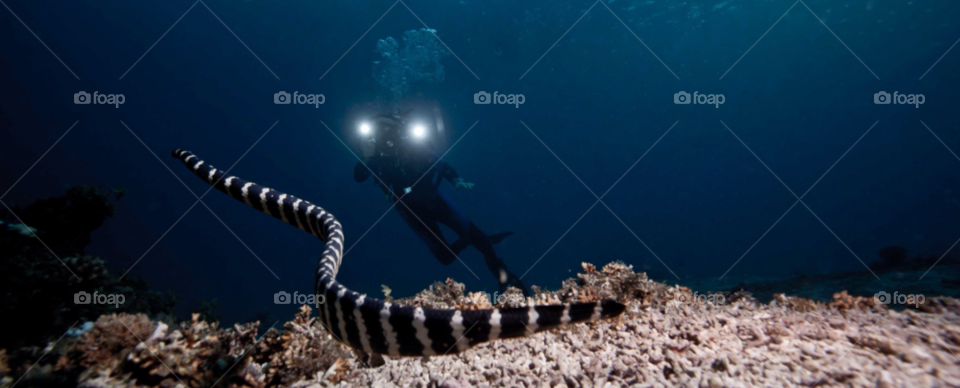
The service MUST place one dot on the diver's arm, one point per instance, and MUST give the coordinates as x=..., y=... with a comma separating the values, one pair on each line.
x=451, y=175
x=360, y=172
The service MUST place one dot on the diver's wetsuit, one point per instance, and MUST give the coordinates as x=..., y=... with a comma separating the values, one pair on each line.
x=425, y=207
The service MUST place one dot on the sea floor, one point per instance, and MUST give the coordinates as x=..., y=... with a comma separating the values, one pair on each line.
x=667, y=337
x=670, y=337
x=942, y=280
x=730, y=346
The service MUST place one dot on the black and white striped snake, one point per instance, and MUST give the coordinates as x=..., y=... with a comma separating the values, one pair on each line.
x=376, y=327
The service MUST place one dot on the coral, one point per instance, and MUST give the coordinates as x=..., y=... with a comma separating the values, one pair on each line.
x=417, y=60
x=386, y=293
x=796, y=303
x=208, y=311
x=305, y=349
x=512, y=297
x=338, y=371
x=4, y=368
x=445, y=295
x=940, y=305
x=126, y=350
x=67, y=221
x=100, y=377
x=615, y=281
x=843, y=301
x=36, y=287
x=110, y=334
x=664, y=341
x=476, y=301
x=743, y=296
x=669, y=336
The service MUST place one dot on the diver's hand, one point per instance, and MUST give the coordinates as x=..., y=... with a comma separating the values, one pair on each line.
x=461, y=184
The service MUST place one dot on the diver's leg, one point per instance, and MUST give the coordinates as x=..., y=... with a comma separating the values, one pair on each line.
x=429, y=233
x=450, y=215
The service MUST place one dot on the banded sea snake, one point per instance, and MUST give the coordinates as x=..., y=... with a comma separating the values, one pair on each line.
x=373, y=326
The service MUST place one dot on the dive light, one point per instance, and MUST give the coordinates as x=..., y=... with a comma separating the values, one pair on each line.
x=365, y=129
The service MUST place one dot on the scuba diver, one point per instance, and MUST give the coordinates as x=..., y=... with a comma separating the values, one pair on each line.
x=397, y=151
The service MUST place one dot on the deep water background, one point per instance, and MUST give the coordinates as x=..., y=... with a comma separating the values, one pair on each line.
x=599, y=99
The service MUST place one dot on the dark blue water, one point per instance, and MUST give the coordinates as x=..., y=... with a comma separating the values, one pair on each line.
x=594, y=104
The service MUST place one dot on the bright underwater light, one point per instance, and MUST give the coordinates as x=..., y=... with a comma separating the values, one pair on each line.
x=365, y=128
x=419, y=131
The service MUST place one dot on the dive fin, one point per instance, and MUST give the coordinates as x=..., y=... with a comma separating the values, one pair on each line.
x=463, y=243
x=459, y=245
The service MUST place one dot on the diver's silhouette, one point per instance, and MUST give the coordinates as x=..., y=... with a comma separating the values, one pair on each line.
x=400, y=155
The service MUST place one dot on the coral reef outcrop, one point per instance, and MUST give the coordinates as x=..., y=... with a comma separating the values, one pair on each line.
x=669, y=336
x=36, y=287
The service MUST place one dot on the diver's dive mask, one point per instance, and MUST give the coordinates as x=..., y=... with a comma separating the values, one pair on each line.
x=383, y=133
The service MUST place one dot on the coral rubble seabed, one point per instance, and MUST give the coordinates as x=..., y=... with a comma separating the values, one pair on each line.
x=667, y=337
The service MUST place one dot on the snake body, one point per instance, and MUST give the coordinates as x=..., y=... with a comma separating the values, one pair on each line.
x=377, y=327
